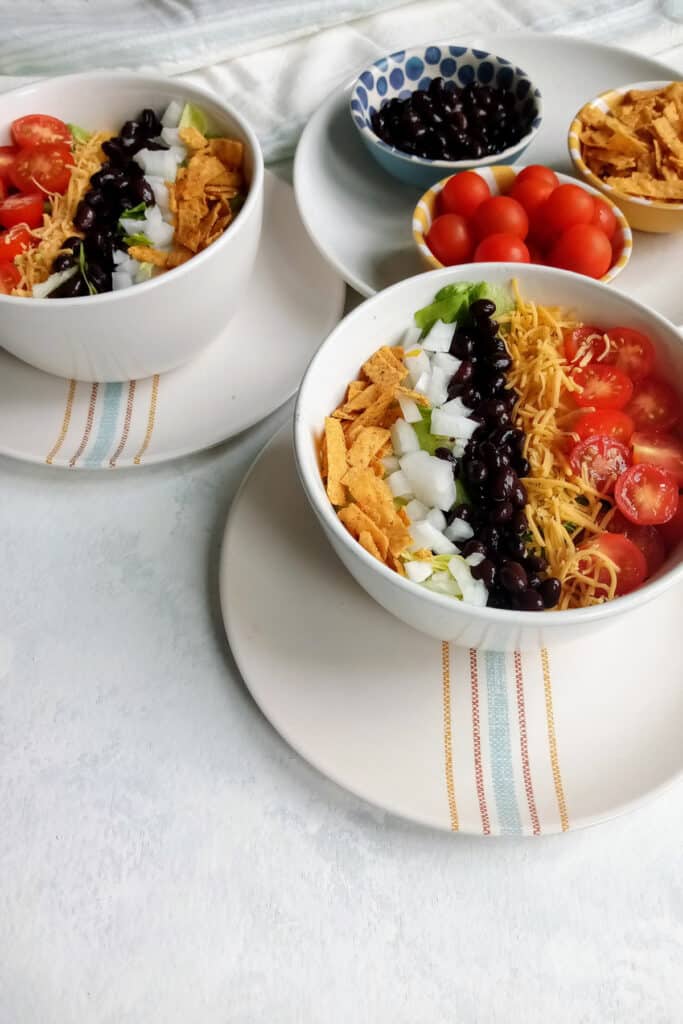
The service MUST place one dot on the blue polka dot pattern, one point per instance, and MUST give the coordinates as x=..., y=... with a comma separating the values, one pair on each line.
x=414, y=68
x=399, y=74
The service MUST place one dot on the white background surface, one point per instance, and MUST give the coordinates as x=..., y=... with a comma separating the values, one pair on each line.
x=164, y=857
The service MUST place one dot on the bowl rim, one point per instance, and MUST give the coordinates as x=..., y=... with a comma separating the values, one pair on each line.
x=196, y=92
x=330, y=521
x=576, y=155
x=565, y=179
x=369, y=135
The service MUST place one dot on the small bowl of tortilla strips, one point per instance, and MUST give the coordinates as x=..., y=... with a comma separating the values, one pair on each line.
x=628, y=142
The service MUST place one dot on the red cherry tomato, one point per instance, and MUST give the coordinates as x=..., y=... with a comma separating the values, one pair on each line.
x=500, y=215
x=600, y=460
x=7, y=155
x=39, y=130
x=3, y=190
x=662, y=450
x=26, y=209
x=604, y=387
x=501, y=248
x=672, y=532
x=647, y=538
x=604, y=218
x=450, y=239
x=646, y=495
x=654, y=406
x=540, y=173
x=608, y=422
x=535, y=254
x=631, y=352
x=584, y=249
x=14, y=242
x=463, y=193
x=42, y=167
x=9, y=278
x=565, y=206
x=582, y=341
x=530, y=193
x=629, y=561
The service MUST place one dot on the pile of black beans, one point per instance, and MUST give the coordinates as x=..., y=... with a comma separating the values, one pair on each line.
x=491, y=468
x=447, y=122
x=119, y=185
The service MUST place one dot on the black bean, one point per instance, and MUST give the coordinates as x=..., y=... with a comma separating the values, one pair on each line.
x=150, y=122
x=519, y=523
x=494, y=410
x=523, y=466
x=530, y=600
x=422, y=102
x=477, y=472
x=446, y=454
x=462, y=344
x=116, y=152
x=71, y=289
x=513, y=577
x=99, y=278
x=536, y=563
x=482, y=309
x=503, y=484
x=490, y=536
x=550, y=591
x=484, y=571
x=85, y=216
x=519, y=495
x=501, y=512
x=515, y=546
x=534, y=579
x=473, y=547
x=64, y=261
x=464, y=512
x=472, y=397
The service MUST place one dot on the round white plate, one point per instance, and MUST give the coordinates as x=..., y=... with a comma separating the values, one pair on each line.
x=293, y=301
x=360, y=217
x=487, y=744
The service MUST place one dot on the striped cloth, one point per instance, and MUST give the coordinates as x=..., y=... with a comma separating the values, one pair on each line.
x=304, y=49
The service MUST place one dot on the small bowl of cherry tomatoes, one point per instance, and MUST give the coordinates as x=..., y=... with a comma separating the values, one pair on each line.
x=521, y=215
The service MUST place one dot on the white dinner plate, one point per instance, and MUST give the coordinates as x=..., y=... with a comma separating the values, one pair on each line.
x=473, y=742
x=360, y=217
x=292, y=302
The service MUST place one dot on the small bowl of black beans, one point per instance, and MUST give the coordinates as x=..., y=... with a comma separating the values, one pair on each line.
x=436, y=109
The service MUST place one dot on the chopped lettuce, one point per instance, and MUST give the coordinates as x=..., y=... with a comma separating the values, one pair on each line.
x=428, y=442
x=135, y=213
x=452, y=302
x=137, y=239
x=78, y=134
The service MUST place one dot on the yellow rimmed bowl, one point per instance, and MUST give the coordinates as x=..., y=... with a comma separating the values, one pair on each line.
x=651, y=215
x=500, y=180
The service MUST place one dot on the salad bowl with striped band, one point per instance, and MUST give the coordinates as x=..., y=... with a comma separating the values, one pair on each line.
x=164, y=322
x=500, y=180
x=382, y=320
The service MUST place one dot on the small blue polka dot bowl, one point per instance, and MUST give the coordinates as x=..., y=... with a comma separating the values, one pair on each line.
x=400, y=74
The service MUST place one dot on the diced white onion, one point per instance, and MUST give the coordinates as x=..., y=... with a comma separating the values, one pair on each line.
x=398, y=484
x=459, y=531
x=410, y=409
x=416, y=365
x=390, y=463
x=158, y=187
x=459, y=447
x=437, y=393
x=476, y=558
x=446, y=362
x=160, y=234
x=439, y=338
x=438, y=520
x=403, y=438
x=427, y=536
x=473, y=591
x=171, y=116
x=423, y=382
x=431, y=479
x=170, y=136
x=120, y=279
x=416, y=510
x=161, y=163
x=445, y=425
x=418, y=571
x=45, y=288
x=456, y=407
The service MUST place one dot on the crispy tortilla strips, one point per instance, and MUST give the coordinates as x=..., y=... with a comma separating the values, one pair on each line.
x=368, y=443
x=335, y=460
x=200, y=197
x=636, y=146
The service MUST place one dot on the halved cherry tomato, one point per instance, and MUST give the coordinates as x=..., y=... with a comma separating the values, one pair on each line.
x=463, y=193
x=646, y=495
x=14, y=242
x=662, y=450
x=7, y=155
x=608, y=422
x=22, y=209
x=9, y=278
x=672, y=532
x=530, y=192
x=604, y=387
x=500, y=215
x=450, y=239
x=539, y=172
x=43, y=167
x=629, y=560
x=583, y=249
x=39, y=130
x=501, y=248
x=583, y=341
x=654, y=405
x=603, y=217
x=631, y=352
x=648, y=538
x=600, y=460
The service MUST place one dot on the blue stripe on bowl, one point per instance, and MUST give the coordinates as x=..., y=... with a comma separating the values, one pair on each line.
x=499, y=744
x=106, y=430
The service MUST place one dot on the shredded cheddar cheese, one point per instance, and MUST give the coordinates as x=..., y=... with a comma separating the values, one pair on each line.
x=562, y=509
x=34, y=264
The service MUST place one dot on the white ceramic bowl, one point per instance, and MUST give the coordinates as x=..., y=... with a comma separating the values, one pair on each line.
x=163, y=323
x=382, y=320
